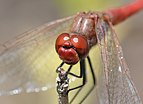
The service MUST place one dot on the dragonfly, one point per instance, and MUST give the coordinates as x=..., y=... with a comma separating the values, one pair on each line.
x=86, y=30
x=27, y=62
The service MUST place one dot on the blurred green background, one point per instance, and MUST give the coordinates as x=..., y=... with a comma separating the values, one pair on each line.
x=18, y=16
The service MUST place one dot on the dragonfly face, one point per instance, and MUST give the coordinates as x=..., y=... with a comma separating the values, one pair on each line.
x=71, y=47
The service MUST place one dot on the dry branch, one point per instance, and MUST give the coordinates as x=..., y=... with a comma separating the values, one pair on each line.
x=62, y=86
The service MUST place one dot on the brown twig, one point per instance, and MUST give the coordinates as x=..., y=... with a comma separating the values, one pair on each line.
x=62, y=86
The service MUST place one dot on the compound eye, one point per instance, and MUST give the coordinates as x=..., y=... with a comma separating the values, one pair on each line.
x=79, y=42
x=64, y=37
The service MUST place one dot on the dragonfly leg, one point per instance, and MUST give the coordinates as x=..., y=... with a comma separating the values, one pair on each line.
x=59, y=66
x=82, y=75
x=93, y=77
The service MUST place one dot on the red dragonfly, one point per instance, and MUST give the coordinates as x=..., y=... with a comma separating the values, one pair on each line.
x=25, y=63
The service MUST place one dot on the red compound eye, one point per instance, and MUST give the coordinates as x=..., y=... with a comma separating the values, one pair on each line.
x=64, y=37
x=80, y=44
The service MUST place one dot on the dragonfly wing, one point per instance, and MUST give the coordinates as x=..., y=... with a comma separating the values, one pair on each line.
x=116, y=86
x=28, y=62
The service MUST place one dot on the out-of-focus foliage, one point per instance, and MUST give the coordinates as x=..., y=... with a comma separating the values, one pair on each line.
x=73, y=6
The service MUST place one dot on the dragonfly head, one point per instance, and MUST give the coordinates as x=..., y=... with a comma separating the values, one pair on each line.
x=71, y=47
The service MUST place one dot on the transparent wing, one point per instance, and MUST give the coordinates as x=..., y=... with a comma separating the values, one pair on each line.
x=28, y=63
x=116, y=84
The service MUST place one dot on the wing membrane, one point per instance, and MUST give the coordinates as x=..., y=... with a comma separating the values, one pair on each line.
x=28, y=62
x=117, y=86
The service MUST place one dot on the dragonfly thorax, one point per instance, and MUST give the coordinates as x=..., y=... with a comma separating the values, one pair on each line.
x=85, y=24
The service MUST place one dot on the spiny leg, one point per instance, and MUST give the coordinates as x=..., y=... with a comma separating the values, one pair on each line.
x=93, y=77
x=82, y=75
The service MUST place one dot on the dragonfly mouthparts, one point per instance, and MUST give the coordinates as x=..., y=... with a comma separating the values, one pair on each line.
x=67, y=45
